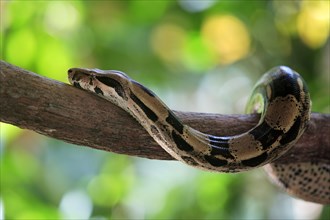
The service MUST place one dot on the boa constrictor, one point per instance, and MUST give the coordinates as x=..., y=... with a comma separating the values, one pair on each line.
x=282, y=98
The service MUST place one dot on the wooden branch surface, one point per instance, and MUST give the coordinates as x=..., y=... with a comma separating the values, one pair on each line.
x=63, y=112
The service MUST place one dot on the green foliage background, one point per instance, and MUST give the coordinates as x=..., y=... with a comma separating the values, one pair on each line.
x=198, y=56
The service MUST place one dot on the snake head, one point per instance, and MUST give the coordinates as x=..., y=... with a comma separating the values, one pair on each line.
x=108, y=83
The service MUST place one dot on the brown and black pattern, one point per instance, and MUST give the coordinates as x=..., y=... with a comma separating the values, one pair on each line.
x=265, y=134
x=147, y=111
x=113, y=84
x=174, y=122
x=255, y=161
x=181, y=143
x=285, y=115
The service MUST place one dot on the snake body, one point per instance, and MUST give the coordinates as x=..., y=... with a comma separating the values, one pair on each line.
x=281, y=97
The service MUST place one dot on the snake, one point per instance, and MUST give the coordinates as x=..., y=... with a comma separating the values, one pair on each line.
x=282, y=99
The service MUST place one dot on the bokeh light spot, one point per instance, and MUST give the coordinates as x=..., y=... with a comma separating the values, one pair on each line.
x=167, y=42
x=313, y=23
x=61, y=18
x=227, y=36
x=105, y=190
x=196, y=6
x=76, y=205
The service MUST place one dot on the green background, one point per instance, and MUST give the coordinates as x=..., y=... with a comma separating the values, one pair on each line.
x=200, y=56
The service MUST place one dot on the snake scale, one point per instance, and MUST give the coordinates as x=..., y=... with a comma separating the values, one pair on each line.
x=282, y=99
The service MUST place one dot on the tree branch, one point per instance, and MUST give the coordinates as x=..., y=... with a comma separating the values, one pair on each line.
x=63, y=112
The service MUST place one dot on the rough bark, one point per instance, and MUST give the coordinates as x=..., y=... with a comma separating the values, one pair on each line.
x=58, y=110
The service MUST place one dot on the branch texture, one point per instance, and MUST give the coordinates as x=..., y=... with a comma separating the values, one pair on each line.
x=63, y=112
